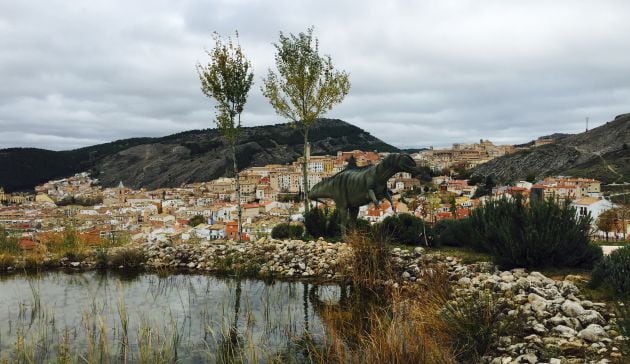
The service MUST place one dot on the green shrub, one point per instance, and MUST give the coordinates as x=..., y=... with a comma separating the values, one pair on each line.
x=315, y=222
x=363, y=226
x=287, y=231
x=453, y=232
x=296, y=231
x=614, y=271
x=322, y=223
x=281, y=231
x=545, y=234
x=333, y=229
x=403, y=229
x=476, y=321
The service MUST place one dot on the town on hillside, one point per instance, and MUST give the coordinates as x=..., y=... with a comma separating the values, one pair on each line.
x=271, y=194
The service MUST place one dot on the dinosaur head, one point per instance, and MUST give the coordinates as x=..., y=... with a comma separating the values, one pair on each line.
x=407, y=164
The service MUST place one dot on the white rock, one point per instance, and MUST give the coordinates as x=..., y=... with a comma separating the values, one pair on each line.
x=537, y=302
x=591, y=317
x=527, y=358
x=593, y=333
x=572, y=308
x=539, y=328
x=564, y=331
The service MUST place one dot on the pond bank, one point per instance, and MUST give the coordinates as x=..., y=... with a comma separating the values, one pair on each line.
x=557, y=324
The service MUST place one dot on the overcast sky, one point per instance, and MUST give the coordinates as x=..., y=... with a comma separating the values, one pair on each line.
x=75, y=73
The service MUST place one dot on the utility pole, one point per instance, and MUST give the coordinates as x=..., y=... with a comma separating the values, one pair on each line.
x=587, y=124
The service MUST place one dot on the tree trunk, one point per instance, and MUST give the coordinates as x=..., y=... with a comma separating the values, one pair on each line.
x=305, y=170
x=238, y=195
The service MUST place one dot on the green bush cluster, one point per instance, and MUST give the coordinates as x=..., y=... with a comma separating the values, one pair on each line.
x=477, y=321
x=287, y=231
x=543, y=234
x=404, y=229
x=613, y=271
x=322, y=223
x=453, y=232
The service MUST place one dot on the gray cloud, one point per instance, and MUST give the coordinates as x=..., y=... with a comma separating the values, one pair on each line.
x=423, y=73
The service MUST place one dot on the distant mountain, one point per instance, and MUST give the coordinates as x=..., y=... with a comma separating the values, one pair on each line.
x=196, y=155
x=602, y=153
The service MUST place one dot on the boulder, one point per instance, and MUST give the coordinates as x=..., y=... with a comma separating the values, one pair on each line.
x=572, y=308
x=593, y=333
x=564, y=331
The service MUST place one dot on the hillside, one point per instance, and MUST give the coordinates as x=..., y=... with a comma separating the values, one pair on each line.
x=601, y=153
x=196, y=155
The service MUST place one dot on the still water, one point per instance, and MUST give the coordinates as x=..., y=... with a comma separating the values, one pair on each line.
x=108, y=317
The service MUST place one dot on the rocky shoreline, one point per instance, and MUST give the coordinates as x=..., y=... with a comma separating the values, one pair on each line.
x=558, y=325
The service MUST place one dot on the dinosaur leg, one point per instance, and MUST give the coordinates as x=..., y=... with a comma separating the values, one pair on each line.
x=354, y=212
x=373, y=198
x=388, y=196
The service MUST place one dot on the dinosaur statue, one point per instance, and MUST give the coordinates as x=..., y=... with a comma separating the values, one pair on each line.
x=354, y=187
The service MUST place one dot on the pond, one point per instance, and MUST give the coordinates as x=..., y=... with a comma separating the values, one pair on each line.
x=108, y=317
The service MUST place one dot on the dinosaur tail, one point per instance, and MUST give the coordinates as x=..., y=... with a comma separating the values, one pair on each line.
x=320, y=190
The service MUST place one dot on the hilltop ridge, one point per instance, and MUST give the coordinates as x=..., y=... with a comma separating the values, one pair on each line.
x=600, y=153
x=189, y=156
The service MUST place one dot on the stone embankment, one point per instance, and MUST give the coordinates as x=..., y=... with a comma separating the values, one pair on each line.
x=558, y=326
x=263, y=258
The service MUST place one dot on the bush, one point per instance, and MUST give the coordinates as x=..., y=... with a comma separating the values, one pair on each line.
x=322, y=223
x=614, y=271
x=296, y=231
x=333, y=228
x=127, y=258
x=475, y=322
x=545, y=234
x=363, y=226
x=404, y=229
x=315, y=222
x=280, y=231
x=453, y=232
x=287, y=231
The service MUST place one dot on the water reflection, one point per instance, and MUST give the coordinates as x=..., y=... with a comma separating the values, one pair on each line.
x=130, y=317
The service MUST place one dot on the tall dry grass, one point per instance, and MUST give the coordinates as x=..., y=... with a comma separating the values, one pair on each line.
x=382, y=324
x=370, y=267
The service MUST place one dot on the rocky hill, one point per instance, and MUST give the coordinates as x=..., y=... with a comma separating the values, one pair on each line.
x=601, y=153
x=196, y=155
